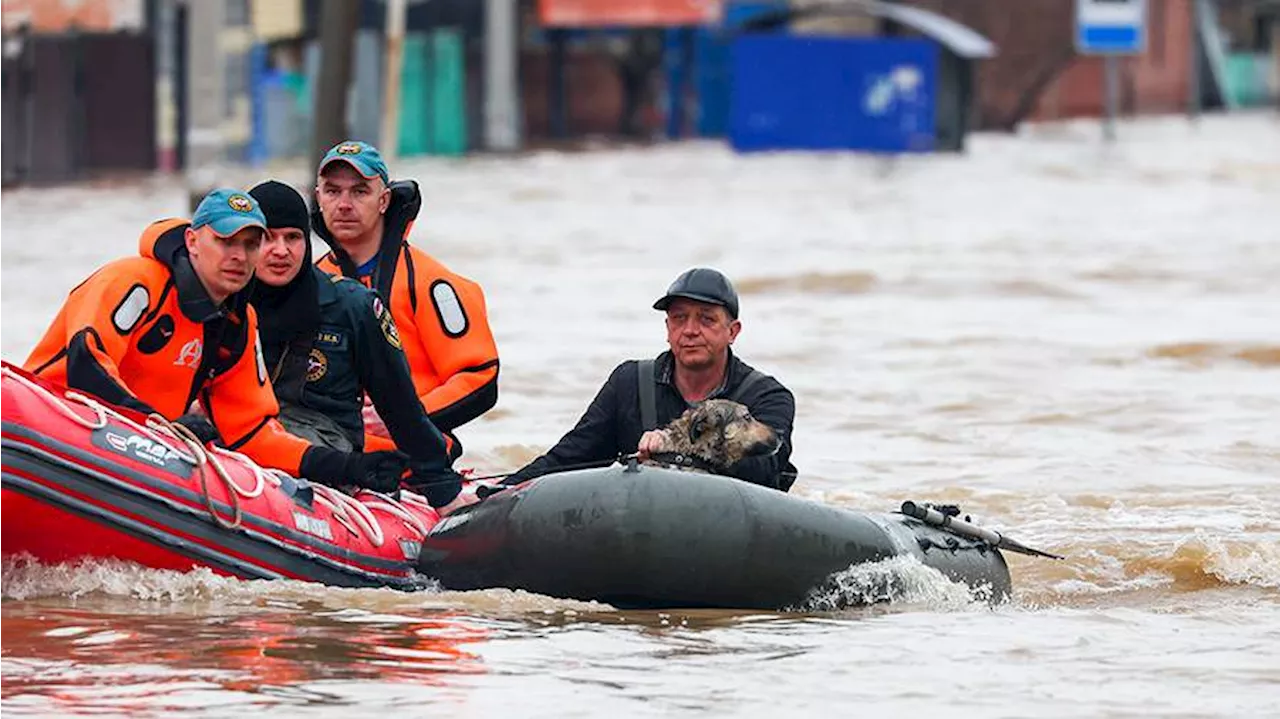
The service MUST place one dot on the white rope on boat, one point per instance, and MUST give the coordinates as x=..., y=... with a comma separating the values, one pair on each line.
x=348, y=511
x=155, y=430
x=352, y=514
x=324, y=495
x=408, y=497
x=203, y=461
x=57, y=403
x=259, y=472
x=372, y=529
x=388, y=504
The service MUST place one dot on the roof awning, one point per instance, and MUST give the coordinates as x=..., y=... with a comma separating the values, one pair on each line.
x=959, y=39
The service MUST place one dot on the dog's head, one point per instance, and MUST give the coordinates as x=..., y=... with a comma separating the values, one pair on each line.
x=721, y=432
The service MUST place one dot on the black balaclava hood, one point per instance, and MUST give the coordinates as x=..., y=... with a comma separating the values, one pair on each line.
x=291, y=312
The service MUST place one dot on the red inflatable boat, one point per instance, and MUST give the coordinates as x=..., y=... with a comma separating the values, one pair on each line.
x=85, y=479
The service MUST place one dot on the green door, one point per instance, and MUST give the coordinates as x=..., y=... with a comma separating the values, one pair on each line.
x=433, y=117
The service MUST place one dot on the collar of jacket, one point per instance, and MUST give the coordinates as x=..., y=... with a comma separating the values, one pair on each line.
x=664, y=368
x=326, y=292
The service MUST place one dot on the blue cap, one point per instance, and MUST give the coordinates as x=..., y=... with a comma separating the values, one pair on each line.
x=228, y=211
x=364, y=157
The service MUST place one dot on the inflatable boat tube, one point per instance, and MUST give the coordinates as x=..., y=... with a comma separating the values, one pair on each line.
x=643, y=536
x=84, y=480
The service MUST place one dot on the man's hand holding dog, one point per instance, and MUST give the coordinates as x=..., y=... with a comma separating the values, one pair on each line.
x=651, y=442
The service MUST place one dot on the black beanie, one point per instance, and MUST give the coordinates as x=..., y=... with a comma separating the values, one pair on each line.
x=282, y=206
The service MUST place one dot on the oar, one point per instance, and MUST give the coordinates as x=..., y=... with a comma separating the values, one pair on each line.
x=929, y=515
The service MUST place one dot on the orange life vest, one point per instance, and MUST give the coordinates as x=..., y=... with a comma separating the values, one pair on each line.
x=440, y=317
x=141, y=332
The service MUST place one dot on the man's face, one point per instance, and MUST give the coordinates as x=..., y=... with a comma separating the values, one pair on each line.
x=224, y=264
x=699, y=333
x=350, y=204
x=283, y=253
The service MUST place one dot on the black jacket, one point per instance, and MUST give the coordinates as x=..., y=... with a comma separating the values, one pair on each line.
x=355, y=349
x=611, y=425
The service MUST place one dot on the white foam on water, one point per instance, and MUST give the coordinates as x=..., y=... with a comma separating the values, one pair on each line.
x=901, y=580
x=25, y=578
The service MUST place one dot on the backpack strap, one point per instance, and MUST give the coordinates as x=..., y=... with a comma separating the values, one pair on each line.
x=647, y=385
x=747, y=382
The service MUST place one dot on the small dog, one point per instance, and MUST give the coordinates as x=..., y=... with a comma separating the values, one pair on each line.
x=716, y=434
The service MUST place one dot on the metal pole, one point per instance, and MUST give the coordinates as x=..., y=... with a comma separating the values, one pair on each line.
x=501, y=71
x=1194, y=89
x=391, y=79
x=166, y=106
x=5, y=92
x=1111, y=72
x=181, y=89
x=338, y=20
x=27, y=75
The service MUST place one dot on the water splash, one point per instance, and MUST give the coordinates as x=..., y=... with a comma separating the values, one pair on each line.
x=25, y=578
x=898, y=580
x=1205, y=561
x=1197, y=562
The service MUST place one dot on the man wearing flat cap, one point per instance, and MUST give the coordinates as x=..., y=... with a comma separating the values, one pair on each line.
x=642, y=395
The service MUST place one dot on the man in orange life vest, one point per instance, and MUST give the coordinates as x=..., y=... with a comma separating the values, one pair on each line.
x=157, y=332
x=365, y=219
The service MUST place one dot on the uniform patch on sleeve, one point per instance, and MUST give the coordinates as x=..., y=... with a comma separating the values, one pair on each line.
x=131, y=308
x=453, y=319
x=386, y=323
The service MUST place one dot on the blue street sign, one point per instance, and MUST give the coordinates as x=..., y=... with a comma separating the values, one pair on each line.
x=1111, y=27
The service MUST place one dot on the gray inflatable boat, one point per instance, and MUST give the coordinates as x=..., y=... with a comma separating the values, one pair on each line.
x=640, y=536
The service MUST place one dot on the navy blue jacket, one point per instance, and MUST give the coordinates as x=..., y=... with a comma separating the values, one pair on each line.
x=356, y=349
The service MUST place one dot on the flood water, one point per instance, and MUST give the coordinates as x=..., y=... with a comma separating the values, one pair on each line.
x=1077, y=344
